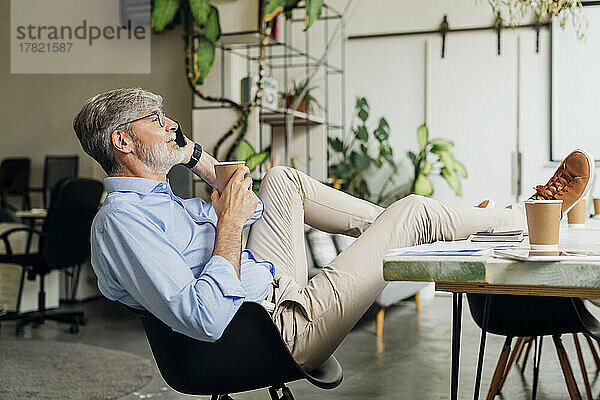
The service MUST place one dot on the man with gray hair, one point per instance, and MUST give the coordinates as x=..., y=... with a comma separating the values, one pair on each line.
x=182, y=260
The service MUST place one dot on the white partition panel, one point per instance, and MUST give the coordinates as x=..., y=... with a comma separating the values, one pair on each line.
x=472, y=100
x=576, y=88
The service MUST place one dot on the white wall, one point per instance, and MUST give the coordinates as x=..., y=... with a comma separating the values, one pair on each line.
x=471, y=93
x=37, y=110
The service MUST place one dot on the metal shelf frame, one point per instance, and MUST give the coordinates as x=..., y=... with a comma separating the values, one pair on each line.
x=283, y=56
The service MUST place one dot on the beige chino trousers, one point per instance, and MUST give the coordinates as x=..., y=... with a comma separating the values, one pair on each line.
x=314, y=316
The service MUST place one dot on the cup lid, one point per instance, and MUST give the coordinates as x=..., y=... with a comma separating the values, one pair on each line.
x=230, y=162
x=542, y=201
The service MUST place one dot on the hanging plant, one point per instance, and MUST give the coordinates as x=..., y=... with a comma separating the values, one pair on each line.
x=515, y=11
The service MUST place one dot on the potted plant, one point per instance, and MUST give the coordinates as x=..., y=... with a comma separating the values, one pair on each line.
x=309, y=103
x=434, y=157
x=353, y=159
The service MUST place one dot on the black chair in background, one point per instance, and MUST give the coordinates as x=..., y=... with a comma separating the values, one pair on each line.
x=14, y=180
x=249, y=355
x=64, y=240
x=530, y=316
x=55, y=169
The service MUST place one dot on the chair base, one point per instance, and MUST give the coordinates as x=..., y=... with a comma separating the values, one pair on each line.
x=36, y=318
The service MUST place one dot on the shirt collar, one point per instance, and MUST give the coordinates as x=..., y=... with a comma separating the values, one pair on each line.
x=141, y=186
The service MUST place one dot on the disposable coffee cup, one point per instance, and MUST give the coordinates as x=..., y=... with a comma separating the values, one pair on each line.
x=543, y=222
x=224, y=171
x=597, y=206
x=576, y=216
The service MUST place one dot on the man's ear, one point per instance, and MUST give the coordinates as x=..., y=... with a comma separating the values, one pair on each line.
x=121, y=141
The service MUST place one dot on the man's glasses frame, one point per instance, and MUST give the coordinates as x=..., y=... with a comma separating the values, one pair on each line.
x=159, y=114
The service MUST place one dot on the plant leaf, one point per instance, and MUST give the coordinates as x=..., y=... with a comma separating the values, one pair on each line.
x=313, y=11
x=363, y=189
x=200, y=10
x=213, y=25
x=243, y=151
x=361, y=161
x=336, y=144
x=273, y=8
x=427, y=168
x=460, y=168
x=452, y=179
x=441, y=142
x=204, y=58
x=422, y=136
x=361, y=133
x=363, y=114
x=423, y=186
x=412, y=157
x=342, y=171
x=163, y=13
x=438, y=149
x=257, y=159
x=447, y=159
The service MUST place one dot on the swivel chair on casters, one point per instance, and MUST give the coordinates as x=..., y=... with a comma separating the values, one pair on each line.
x=249, y=355
x=63, y=241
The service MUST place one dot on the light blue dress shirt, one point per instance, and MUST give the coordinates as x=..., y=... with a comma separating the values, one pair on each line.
x=151, y=249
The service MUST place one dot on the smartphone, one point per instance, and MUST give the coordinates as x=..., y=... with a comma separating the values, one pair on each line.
x=179, y=138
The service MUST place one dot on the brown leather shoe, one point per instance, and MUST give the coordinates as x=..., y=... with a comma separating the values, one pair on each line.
x=571, y=181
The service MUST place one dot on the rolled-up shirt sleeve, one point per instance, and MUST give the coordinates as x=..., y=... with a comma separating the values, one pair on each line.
x=209, y=211
x=154, y=272
x=256, y=214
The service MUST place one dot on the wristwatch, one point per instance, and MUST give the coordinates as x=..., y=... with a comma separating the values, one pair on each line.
x=195, y=156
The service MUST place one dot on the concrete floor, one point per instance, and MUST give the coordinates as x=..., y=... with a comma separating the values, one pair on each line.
x=411, y=361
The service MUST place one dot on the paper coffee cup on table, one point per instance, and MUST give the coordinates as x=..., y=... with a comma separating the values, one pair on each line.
x=543, y=222
x=576, y=216
x=597, y=206
x=224, y=171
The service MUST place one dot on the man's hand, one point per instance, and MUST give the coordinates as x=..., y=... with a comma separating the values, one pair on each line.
x=188, y=150
x=233, y=207
x=237, y=202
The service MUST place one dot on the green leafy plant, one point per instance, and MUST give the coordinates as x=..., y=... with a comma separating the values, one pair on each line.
x=434, y=157
x=245, y=152
x=354, y=159
x=311, y=104
x=313, y=10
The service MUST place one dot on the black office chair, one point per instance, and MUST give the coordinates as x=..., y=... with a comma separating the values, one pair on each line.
x=14, y=180
x=530, y=316
x=63, y=241
x=249, y=355
x=55, y=169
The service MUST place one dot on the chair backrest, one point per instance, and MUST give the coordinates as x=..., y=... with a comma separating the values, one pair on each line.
x=14, y=175
x=249, y=355
x=73, y=205
x=519, y=316
x=57, y=168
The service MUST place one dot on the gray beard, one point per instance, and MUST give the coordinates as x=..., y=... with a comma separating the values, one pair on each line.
x=159, y=158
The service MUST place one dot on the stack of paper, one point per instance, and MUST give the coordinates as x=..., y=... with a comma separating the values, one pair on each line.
x=498, y=236
x=455, y=248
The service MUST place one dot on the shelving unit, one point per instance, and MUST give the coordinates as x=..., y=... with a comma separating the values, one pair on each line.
x=305, y=146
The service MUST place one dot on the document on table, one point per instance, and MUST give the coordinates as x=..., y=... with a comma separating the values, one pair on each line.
x=453, y=248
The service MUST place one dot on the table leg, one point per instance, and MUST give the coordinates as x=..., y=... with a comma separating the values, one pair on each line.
x=456, y=326
x=537, y=354
x=486, y=315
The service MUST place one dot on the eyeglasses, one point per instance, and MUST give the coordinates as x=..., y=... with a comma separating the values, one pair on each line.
x=160, y=115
